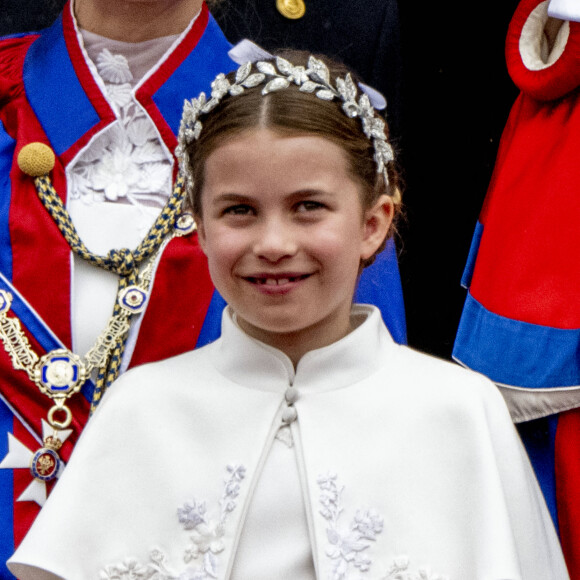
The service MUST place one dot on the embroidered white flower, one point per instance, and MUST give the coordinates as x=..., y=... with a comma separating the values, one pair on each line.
x=147, y=154
x=205, y=538
x=141, y=131
x=152, y=177
x=346, y=550
x=127, y=162
x=399, y=570
x=368, y=524
x=191, y=514
x=121, y=96
x=116, y=174
x=113, y=68
x=349, y=550
x=129, y=569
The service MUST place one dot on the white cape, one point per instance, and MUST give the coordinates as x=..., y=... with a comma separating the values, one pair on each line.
x=407, y=465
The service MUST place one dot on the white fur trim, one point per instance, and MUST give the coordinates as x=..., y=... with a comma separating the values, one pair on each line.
x=534, y=49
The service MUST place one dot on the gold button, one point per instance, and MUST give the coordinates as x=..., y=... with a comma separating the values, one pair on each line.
x=36, y=159
x=292, y=9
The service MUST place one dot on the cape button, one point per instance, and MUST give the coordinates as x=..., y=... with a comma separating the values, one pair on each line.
x=291, y=9
x=291, y=395
x=289, y=415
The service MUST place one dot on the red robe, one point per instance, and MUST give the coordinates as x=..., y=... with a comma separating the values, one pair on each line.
x=521, y=321
x=64, y=111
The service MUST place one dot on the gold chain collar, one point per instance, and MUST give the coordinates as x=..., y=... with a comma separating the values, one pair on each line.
x=59, y=374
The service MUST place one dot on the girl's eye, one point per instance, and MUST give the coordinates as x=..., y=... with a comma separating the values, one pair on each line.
x=309, y=205
x=238, y=209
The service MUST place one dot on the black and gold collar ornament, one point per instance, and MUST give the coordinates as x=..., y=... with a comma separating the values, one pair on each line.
x=60, y=374
x=291, y=9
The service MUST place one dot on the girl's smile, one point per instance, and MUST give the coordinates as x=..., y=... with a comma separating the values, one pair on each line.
x=277, y=283
x=284, y=231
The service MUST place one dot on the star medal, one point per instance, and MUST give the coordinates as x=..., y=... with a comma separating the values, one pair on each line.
x=60, y=373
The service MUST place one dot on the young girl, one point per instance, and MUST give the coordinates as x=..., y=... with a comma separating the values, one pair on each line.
x=304, y=443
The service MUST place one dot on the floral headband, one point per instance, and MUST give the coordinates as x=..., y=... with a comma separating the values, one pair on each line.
x=278, y=75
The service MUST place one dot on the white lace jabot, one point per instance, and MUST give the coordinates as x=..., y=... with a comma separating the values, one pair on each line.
x=119, y=181
x=127, y=162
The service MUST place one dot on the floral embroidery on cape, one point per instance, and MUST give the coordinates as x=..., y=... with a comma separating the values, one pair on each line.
x=349, y=551
x=205, y=540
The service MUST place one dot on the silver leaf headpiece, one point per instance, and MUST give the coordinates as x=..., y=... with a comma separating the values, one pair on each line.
x=278, y=75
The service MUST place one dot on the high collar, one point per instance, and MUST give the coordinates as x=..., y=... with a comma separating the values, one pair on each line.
x=249, y=362
x=71, y=105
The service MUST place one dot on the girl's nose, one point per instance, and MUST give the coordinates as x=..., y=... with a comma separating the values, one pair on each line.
x=275, y=241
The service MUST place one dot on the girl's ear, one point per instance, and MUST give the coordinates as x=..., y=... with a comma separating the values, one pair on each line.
x=200, y=233
x=377, y=221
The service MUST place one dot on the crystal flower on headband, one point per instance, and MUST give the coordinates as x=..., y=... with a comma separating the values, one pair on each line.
x=279, y=75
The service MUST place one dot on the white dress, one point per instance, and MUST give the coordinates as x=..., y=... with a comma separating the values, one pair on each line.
x=407, y=468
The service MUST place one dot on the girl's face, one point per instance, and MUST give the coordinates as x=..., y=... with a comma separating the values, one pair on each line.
x=284, y=233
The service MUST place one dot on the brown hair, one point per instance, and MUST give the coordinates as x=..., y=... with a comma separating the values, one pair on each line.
x=291, y=111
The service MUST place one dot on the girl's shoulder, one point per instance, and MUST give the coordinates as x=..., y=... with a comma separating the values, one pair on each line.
x=441, y=382
x=181, y=371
